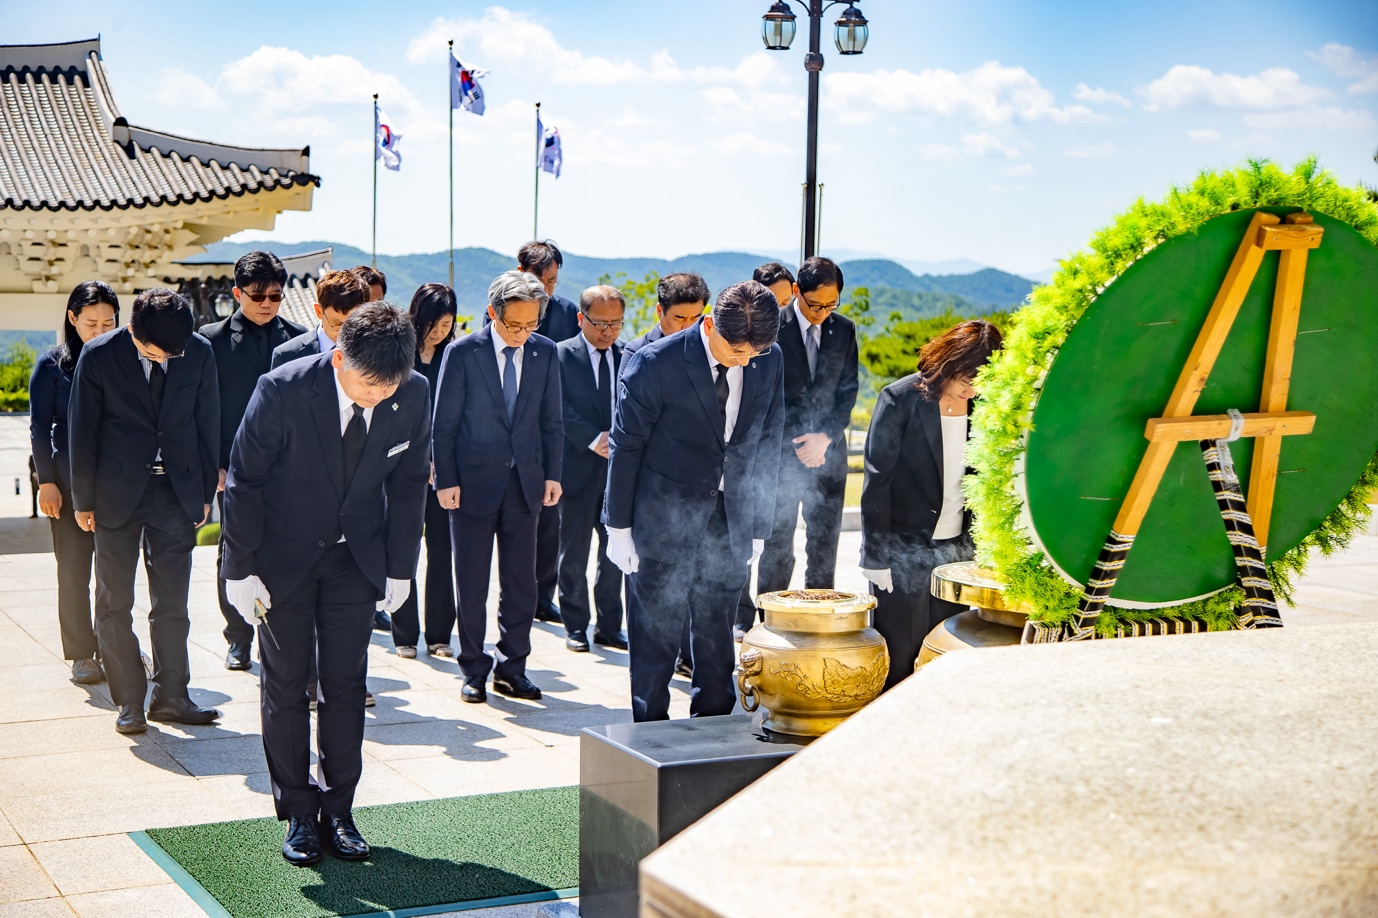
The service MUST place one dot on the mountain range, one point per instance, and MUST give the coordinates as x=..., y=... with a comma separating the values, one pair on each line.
x=893, y=287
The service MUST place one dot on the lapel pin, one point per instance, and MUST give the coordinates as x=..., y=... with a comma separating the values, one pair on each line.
x=394, y=406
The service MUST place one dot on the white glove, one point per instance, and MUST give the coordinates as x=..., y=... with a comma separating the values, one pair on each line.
x=396, y=593
x=880, y=578
x=758, y=546
x=242, y=593
x=622, y=551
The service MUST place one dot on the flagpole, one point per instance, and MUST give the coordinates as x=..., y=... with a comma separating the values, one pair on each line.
x=448, y=69
x=373, y=258
x=536, y=203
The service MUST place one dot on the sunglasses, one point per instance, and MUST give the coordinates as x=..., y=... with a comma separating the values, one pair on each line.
x=257, y=298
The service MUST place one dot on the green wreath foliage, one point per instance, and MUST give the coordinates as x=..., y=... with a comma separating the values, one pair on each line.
x=1009, y=386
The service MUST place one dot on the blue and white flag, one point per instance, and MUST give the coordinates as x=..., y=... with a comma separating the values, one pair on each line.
x=549, y=140
x=386, y=138
x=465, y=92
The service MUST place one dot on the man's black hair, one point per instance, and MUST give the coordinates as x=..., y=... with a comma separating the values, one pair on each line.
x=819, y=272
x=86, y=293
x=372, y=277
x=747, y=313
x=379, y=341
x=537, y=257
x=676, y=289
x=257, y=270
x=772, y=272
x=163, y=319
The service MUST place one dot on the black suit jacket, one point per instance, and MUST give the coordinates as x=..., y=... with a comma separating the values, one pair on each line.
x=823, y=404
x=560, y=322
x=307, y=344
x=285, y=502
x=114, y=435
x=653, y=335
x=903, y=491
x=475, y=447
x=579, y=391
x=668, y=452
x=238, y=367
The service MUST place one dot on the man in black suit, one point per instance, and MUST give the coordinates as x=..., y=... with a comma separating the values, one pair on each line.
x=680, y=301
x=144, y=435
x=695, y=448
x=820, y=389
x=243, y=345
x=323, y=515
x=589, y=365
x=376, y=281
x=498, y=440
x=337, y=293
x=779, y=280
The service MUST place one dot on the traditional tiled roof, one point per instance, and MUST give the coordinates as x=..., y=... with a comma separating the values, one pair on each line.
x=65, y=146
x=299, y=296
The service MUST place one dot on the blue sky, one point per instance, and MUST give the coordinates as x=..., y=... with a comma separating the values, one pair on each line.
x=1000, y=131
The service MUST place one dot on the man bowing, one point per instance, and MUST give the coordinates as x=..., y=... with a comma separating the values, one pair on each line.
x=323, y=515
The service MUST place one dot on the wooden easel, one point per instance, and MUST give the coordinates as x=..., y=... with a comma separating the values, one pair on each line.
x=1293, y=236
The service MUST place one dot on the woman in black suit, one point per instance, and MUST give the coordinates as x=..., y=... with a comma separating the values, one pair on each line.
x=913, y=516
x=92, y=309
x=433, y=310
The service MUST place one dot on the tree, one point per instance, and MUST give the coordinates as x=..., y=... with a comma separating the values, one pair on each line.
x=15, y=371
x=641, y=300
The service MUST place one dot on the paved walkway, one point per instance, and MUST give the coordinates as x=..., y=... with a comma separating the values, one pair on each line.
x=70, y=787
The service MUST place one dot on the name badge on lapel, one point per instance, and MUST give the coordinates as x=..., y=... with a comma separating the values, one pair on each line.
x=398, y=448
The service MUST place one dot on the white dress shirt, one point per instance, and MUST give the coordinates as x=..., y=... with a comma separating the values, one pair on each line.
x=734, y=386
x=612, y=379
x=949, y=524
x=804, y=324
x=326, y=344
x=347, y=413
x=498, y=345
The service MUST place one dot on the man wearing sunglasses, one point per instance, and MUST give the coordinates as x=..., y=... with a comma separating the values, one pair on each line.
x=243, y=345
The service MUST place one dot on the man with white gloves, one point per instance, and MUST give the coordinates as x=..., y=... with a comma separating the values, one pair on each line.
x=324, y=503
x=694, y=456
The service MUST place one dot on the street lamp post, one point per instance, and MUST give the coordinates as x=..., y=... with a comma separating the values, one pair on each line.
x=849, y=34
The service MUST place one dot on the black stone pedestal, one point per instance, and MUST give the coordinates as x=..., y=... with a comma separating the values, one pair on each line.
x=641, y=784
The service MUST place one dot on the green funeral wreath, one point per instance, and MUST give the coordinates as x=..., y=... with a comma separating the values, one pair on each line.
x=1009, y=387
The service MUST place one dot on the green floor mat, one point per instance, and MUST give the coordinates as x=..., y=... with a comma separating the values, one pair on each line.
x=519, y=846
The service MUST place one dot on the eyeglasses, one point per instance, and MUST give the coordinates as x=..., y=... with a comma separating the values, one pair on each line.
x=520, y=329
x=607, y=326
x=257, y=298
x=818, y=307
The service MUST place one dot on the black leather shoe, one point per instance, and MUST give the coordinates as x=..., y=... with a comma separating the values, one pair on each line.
x=577, y=643
x=547, y=612
x=610, y=640
x=130, y=719
x=302, y=846
x=381, y=622
x=474, y=691
x=87, y=672
x=238, y=657
x=518, y=687
x=342, y=839
x=182, y=711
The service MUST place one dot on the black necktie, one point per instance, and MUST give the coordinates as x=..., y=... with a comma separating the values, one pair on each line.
x=720, y=386
x=353, y=441
x=604, y=393
x=157, y=382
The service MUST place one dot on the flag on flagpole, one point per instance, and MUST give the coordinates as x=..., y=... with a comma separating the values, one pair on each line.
x=386, y=139
x=465, y=91
x=549, y=140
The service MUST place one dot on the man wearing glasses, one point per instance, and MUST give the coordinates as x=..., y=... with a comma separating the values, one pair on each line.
x=498, y=450
x=589, y=365
x=243, y=345
x=144, y=439
x=336, y=296
x=695, y=449
x=820, y=389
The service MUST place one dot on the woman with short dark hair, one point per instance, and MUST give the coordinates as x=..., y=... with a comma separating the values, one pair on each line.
x=92, y=309
x=433, y=313
x=913, y=515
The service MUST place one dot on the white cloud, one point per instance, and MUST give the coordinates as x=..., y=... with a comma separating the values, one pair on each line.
x=744, y=142
x=284, y=80
x=1091, y=151
x=1344, y=61
x=938, y=151
x=179, y=89
x=985, y=143
x=1019, y=169
x=1204, y=135
x=631, y=119
x=1326, y=119
x=1098, y=95
x=991, y=94
x=1187, y=86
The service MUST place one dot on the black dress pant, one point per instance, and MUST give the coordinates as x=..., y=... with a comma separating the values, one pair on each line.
x=440, y=585
x=332, y=609
x=547, y=554
x=704, y=586
x=237, y=629
x=579, y=520
x=74, y=548
x=906, y=614
x=162, y=529
x=513, y=526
